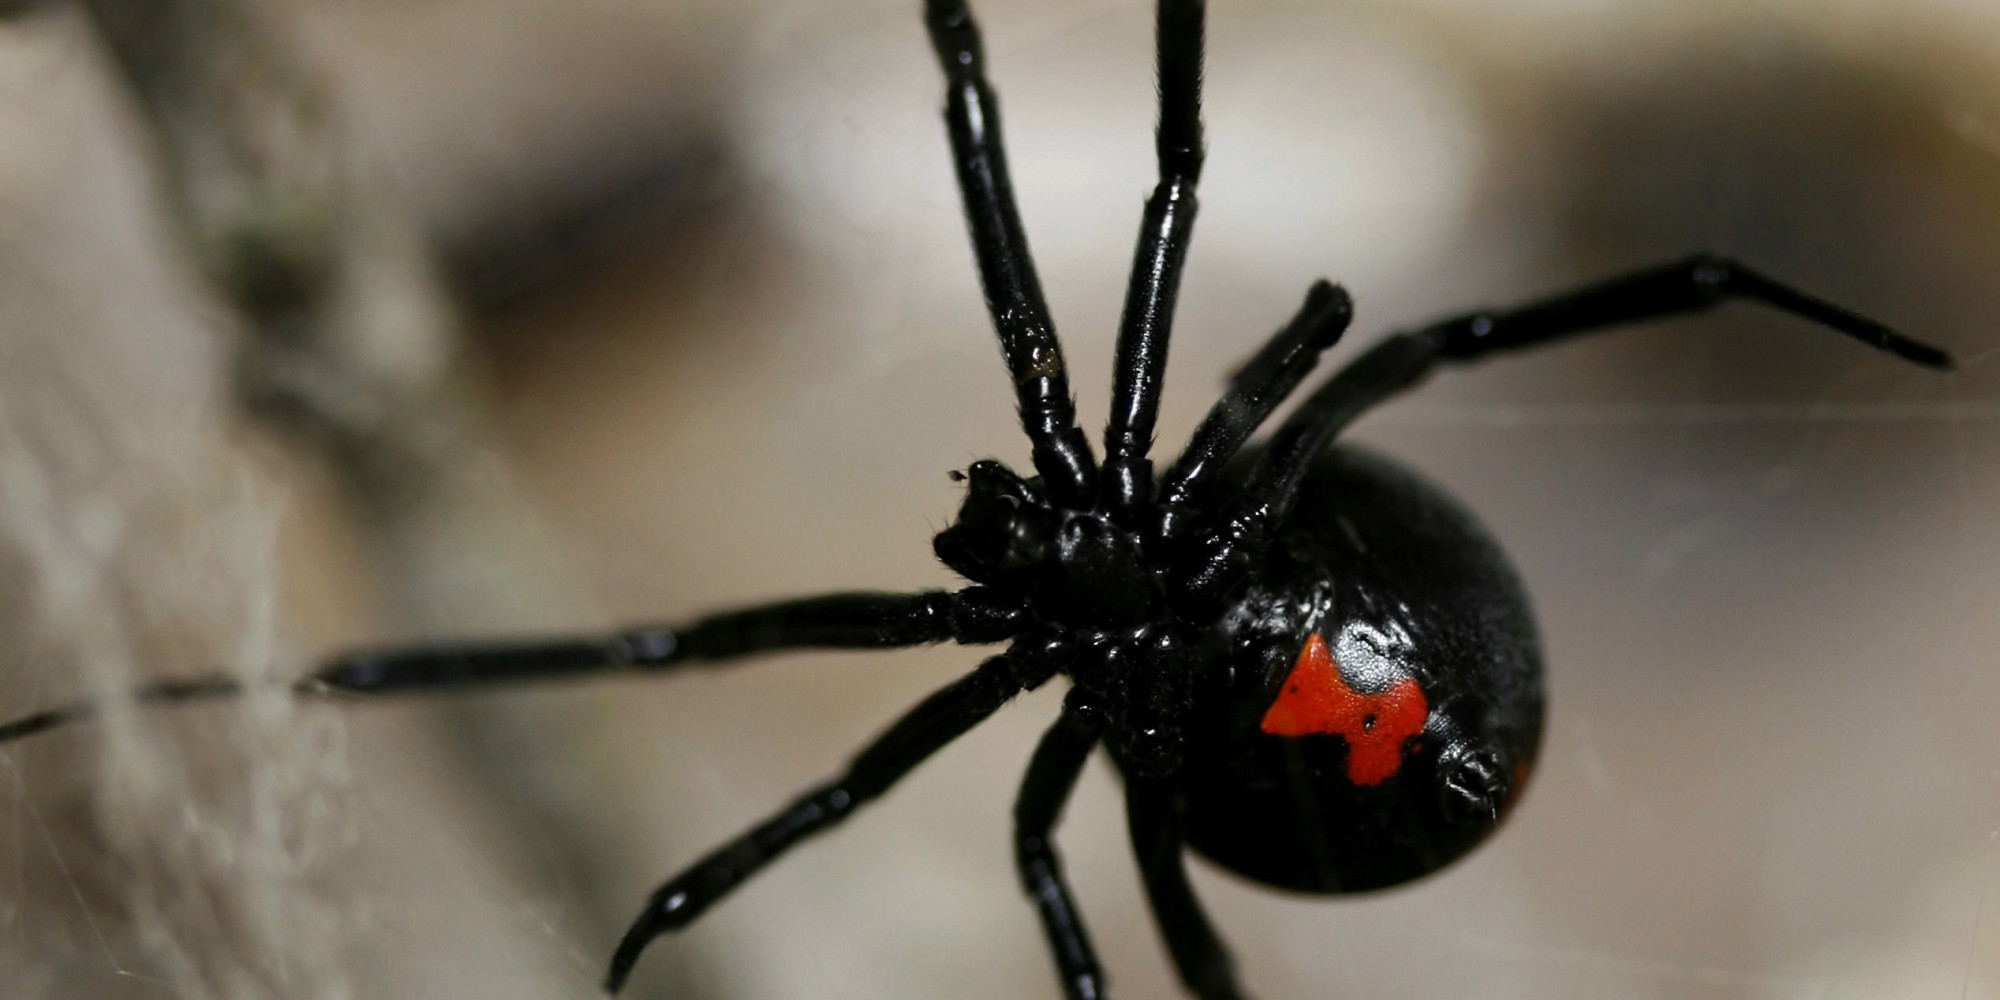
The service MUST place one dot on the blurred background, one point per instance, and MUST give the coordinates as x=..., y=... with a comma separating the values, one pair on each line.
x=334, y=322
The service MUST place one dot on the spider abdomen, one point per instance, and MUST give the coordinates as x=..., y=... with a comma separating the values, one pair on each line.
x=1384, y=698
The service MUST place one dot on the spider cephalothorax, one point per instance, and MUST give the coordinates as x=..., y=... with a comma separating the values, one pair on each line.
x=1095, y=592
x=1310, y=664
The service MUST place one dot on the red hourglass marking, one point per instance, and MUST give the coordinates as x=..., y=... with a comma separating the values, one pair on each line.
x=1317, y=701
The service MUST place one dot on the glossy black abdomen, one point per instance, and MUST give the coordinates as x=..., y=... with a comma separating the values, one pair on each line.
x=1403, y=585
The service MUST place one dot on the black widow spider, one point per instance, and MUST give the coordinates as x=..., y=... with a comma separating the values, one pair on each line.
x=1309, y=664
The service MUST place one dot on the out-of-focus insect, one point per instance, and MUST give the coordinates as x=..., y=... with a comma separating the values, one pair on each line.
x=1309, y=664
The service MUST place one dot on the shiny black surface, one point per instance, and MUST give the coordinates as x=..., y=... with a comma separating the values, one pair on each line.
x=1180, y=614
x=1374, y=558
x=1052, y=775
x=1000, y=246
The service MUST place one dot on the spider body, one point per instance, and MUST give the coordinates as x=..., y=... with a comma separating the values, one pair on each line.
x=1308, y=663
x=1357, y=715
x=1382, y=702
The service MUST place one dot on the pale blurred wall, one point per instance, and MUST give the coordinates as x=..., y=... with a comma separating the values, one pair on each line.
x=1763, y=557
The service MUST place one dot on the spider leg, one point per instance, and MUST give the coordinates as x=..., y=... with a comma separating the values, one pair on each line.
x=1257, y=388
x=1696, y=284
x=936, y=721
x=1199, y=955
x=1693, y=285
x=1013, y=292
x=1145, y=329
x=833, y=621
x=157, y=693
x=1052, y=775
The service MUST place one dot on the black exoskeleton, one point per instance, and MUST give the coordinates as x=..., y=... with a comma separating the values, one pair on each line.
x=1308, y=663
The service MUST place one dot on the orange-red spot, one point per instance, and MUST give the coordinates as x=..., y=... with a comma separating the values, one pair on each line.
x=1317, y=701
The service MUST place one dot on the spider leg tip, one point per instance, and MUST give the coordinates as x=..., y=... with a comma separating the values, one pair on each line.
x=1936, y=358
x=614, y=981
x=1919, y=353
x=627, y=956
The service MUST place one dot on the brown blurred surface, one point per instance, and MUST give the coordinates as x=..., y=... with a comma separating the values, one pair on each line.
x=1764, y=559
